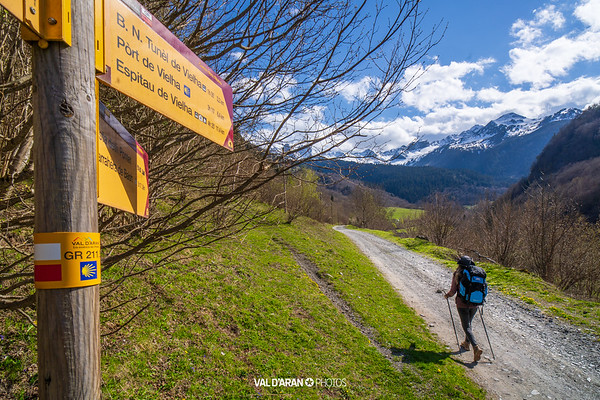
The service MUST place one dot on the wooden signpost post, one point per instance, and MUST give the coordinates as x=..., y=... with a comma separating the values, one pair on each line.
x=137, y=55
x=64, y=103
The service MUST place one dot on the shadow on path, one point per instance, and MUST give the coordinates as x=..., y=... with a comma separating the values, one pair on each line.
x=412, y=355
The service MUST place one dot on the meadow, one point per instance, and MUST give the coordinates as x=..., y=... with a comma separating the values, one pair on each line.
x=243, y=310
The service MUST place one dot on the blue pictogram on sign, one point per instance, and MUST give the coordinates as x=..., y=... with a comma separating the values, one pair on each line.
x=89, y=270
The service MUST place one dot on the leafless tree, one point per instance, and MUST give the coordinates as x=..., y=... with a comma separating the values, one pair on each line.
x=440, y=219
x=547, y=220
x=297, y=193
x=578, y=260
x=494, y=229
x=307, y=76
x=369, y=208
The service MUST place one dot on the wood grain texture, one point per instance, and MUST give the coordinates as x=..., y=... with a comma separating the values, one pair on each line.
x=64, y=104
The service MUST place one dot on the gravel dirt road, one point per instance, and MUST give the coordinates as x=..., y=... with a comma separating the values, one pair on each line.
x=537, y=356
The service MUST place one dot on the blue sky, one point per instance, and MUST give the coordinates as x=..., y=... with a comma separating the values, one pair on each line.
x=523, y=56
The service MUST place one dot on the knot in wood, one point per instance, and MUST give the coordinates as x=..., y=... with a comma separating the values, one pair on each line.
x=66, y=109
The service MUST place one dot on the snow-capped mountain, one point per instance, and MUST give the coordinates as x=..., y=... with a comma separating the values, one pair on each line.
x=505, y=147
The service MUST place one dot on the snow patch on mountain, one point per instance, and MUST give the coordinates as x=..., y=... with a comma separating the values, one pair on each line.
x=478, y=137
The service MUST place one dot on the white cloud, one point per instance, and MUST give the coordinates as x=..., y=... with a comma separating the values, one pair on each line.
x=549, y=16
x=399, y=131
x=589, y=13
x=528, y=31
x=357, y=90
x=439, y=85
x=238, y=55
x=524, y=32
x=541, y=65
x=537, y=102
x=492, y=103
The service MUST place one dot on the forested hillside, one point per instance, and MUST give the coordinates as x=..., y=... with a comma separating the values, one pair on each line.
x=416, y=184
x=569, y=164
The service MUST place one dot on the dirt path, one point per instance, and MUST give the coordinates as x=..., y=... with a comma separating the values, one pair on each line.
x=536, y=356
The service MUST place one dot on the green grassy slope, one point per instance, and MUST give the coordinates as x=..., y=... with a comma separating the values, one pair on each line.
x=244, y=310
x=403, y=214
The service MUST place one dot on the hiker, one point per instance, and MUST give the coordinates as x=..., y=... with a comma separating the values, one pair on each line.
x=466, y=310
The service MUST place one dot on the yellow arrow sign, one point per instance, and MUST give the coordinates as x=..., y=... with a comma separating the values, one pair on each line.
x=145, y=61
x=122, y=167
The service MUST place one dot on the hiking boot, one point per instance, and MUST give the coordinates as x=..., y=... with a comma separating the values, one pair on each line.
x=466, y=345
x=476, y=353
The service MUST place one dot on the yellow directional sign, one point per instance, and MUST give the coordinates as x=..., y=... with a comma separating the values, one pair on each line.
x=122, y=167
x=148, y=63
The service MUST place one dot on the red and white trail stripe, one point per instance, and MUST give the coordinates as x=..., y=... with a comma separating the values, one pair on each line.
x=45, y=272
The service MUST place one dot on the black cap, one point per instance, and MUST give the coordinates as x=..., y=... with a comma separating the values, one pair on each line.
x=466, y=260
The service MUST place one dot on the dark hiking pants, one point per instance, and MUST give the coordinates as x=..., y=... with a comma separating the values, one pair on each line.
x=466, y=317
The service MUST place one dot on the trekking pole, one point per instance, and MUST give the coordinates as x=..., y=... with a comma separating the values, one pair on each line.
x=486, y=333
x=452, y=318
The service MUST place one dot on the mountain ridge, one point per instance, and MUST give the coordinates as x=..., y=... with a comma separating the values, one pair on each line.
x=504, y=148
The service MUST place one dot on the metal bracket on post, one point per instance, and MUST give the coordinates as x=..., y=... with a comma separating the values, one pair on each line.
x=31, y=14
x=48, y=20
x=99, y=35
